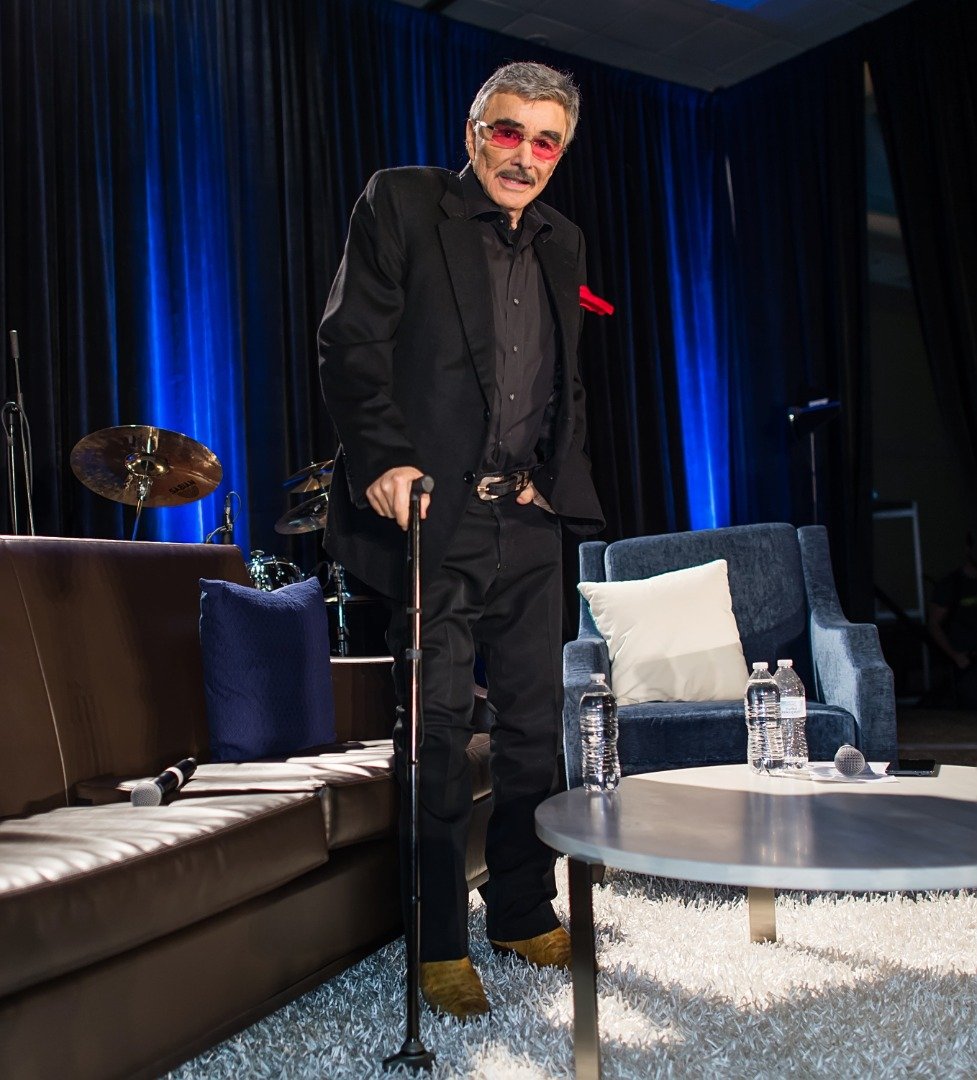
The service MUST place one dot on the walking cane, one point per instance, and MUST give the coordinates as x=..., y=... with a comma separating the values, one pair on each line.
x=413, y=1053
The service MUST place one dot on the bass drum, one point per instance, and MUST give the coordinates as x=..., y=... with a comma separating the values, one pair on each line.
x=269, y=572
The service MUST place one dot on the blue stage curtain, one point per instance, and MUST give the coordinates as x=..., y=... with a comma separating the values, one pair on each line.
x=182, y=173
x=176, y=181
x=793, y=284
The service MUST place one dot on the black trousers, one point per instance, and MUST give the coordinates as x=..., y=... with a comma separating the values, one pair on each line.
x=498, y=591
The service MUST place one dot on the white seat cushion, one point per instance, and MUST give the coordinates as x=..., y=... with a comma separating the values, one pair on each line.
x=672, y=637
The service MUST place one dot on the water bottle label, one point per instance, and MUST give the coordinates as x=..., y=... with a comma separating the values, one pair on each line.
x=793, y=707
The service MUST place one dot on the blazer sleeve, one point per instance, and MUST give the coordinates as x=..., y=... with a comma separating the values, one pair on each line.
x=357, y=338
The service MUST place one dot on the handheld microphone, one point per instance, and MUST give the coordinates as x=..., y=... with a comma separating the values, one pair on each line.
x=849, y=761
x=151, y=792
x=15, y=356
x=422, y=485
x=228, y=536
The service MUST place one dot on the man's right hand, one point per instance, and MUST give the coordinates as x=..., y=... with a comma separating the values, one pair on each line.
x=389, y=494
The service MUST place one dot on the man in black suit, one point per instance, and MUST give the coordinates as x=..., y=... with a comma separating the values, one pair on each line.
x=449, y=347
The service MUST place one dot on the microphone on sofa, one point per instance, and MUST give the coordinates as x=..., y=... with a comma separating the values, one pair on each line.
x=151, y=792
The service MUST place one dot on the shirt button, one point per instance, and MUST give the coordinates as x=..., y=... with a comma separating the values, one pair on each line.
x=512, y=397
x=515, y=299
x=469, y=478
x=486, y=415
x=515, y=348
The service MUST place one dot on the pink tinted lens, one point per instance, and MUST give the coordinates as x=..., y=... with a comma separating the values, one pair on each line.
x=510, y=138
x=507, y=137
x=545, y=149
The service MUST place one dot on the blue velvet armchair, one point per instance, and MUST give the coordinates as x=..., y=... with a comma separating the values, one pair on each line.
x=785, y=605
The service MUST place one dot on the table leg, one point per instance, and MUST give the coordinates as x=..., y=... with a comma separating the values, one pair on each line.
x=586, y=1038
x=763, y=915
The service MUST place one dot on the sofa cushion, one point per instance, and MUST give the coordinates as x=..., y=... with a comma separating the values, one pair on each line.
x=359, y=791
x=80, y=884
x=676, y=735
x=671, y=637
x=266, y=669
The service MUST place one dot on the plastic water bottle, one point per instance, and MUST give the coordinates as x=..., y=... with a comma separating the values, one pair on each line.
x=761, y=702
x=598, y=733
x=793, y=715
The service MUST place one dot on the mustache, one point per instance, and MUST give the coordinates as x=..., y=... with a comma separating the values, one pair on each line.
x=517, y=173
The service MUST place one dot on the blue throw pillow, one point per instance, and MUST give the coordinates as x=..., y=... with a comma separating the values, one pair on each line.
x=267, y=673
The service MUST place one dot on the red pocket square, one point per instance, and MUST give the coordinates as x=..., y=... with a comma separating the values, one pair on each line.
x=592, y=302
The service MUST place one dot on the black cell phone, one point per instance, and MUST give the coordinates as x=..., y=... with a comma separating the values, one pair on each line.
x=913, y=767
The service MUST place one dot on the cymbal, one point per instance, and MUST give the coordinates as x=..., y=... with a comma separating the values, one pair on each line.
x=314, y=477
x=306, y=517
x=117, y=461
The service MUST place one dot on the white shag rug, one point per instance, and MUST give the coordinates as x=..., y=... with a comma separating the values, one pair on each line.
x=880, y=985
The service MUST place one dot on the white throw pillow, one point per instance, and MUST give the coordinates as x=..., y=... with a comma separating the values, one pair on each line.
x=672, y=637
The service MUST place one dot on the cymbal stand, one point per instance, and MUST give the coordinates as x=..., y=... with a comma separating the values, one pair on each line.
x=338, y=575
x=144, y=466
x=16, y=427
x=413, y=1054
x=145, y=484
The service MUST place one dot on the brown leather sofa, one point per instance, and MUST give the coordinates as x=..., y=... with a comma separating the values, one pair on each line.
x=133, y=938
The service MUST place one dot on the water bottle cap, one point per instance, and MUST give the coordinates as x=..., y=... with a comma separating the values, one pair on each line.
x=598, y=676
x=785, y=663
x=759, y=665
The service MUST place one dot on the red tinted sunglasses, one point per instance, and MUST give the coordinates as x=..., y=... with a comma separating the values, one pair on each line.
x=509, y=138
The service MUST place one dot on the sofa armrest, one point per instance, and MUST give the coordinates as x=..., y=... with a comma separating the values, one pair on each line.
x=581, y=658
x=848, y=663
x=852, y=674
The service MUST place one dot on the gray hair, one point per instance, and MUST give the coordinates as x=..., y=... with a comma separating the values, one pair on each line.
x=531, y=82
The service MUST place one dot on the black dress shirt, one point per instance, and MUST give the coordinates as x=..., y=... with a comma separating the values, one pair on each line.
x=525, y=330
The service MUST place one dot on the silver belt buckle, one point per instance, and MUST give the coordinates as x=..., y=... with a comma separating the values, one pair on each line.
x=482, y=490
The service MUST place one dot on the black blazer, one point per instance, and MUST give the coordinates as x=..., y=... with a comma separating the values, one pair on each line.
x=407, y=363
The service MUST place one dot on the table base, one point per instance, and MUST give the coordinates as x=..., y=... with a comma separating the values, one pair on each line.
x=583, y=959
x=763, y=916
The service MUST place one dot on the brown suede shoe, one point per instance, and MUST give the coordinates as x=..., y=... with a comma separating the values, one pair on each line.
x=543, y=950
x=453, y=988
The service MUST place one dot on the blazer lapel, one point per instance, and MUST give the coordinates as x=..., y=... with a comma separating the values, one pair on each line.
x=468, y=270
x=560, y=274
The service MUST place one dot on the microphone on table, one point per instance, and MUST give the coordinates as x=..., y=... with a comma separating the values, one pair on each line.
x=151, y=792
x=849, y=761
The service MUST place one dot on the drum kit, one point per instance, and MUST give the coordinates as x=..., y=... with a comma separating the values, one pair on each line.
x=150, y=466
x=310, y=516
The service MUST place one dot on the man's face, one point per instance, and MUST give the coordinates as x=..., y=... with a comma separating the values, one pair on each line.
x=512, y=178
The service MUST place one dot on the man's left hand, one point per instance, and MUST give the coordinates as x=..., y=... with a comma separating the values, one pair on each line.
x=529, y=494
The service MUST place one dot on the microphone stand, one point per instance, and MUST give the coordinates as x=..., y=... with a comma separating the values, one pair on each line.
x=226, y=527
x=413, y=1053
x=15, y=425
x=338, y=575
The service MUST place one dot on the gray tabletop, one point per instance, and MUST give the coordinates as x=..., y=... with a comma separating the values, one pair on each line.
x=726, y=825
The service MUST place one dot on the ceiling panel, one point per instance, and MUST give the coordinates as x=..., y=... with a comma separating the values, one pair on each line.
x=701, y=43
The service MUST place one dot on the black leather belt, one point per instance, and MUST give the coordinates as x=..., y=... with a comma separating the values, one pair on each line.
x=494, y=487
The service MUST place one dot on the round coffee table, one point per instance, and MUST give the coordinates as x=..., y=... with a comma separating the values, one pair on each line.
x=726, y=825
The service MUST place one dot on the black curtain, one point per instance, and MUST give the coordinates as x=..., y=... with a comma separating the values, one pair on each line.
x=922, y=65
x=795, y=290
